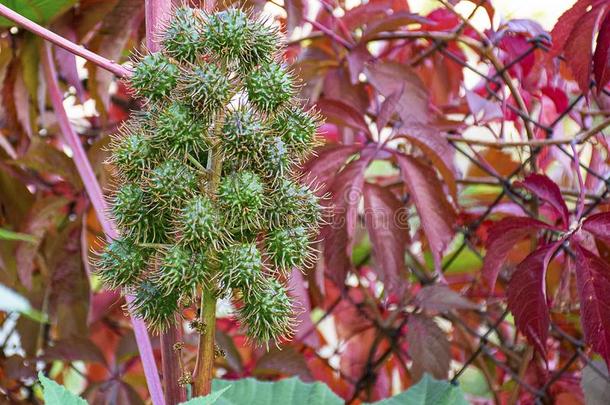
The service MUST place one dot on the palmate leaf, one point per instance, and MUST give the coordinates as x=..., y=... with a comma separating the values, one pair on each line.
x=428, y=392
x=39, y=11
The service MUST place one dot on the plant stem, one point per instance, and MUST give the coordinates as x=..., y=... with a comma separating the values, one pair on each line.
x=58, y=40
x=205, y=353
x=94, y=191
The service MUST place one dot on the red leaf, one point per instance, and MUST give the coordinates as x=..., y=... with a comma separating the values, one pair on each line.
x=579, y=48
x=601, y=58
x=386, y=221
x=558, y=96
x=392, y=23
x=387, y=77
x=340, y=113
x=321, y=169
x=593, y=281
x=388, y=108
x=562, y=29
x=599, y=226
x=428, y=348
x=436, y=214
x=441, y=298
x=437, y=149
x=338, y=235
x=503, y=235
x=526, y=295
x=356, y=59
x=545, y=189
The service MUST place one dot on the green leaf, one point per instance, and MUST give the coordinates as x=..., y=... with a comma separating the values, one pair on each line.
x=39, y=11
x=10, y=235
x=55, y=394
x=208, y=399
x=428, y=391
x=10, y=301
x=288, y=391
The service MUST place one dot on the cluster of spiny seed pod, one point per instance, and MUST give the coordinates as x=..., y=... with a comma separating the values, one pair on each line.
x=208, y=197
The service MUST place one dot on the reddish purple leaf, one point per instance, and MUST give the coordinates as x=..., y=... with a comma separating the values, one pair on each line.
x=342, y=114
x=441, y=298
x=356, y=59
x=558, y=96
x=601, y=58
x=75, y=348
x=303, y=331
x=338, y=235
x=593, y=281
x=545, y=189
x=387, y=77
x=579, y=48
x=392, y=23
x=320, y=171
x=437, y=149
x=436, y=214
x=563, y=28
x=526, y=295
x=599, y=226
x=503, y=235
x=482, y=109
x=388, y=108
x=428, y=348
x=386, y=221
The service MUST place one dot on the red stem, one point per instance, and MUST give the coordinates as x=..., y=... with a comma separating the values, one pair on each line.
x=94, y=191
x=58, y=40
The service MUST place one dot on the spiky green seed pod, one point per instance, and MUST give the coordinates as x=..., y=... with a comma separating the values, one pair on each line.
x=130, y=209
x=121, y=264
x=154, y=76
x=226, y=34
x=241, y=266
x=269, y=87
x=199, y=224
x=267, y=315
x=180, y=132
x=277, y=159
x=243, y=136
x=133, y=154
x=205, y=87
x=242, y=196
x=288, y=248
x=181, y=270
x=183, y=39
x=298, y=129
x=264, y=43
x=158, y=310
x=170, y=183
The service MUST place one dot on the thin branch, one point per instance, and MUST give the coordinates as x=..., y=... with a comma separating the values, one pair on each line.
x=94, y=191
x=62, y=42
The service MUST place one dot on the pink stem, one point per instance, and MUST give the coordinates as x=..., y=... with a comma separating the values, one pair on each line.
x=58, y=40
x=93, y=189
x=157, y=12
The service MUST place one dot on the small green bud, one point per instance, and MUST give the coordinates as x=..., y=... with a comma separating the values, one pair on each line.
x=288, y=248
x=263, y=45
x=240, y=266
x=284, y=203
x=243, y=135
x=242, y=196
x=181, y=270
x=183, y=39
x=180, y=132
x=199, y=224
x=130, y=209
x=121, y=264
x=298, y=129
x=267, y=315
x=206, y=88
x=226, y=34
x=153, y=307
x=277, y=160
x=269, y=87
x=132, y=154
x=170, y=183
x=154, y=76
